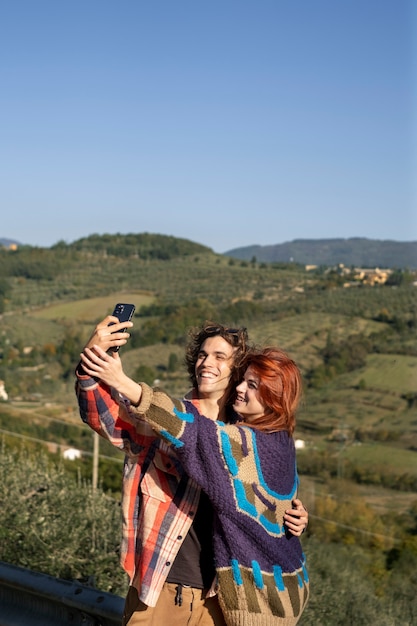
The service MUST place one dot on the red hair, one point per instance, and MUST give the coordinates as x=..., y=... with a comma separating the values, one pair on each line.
x=280, y=388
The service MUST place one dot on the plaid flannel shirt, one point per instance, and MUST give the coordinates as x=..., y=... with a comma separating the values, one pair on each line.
x=159, y=500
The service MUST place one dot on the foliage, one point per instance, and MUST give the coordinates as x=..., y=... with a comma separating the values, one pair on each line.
x=145, y=374
x=5, y=289
x=56, y=525
x=32, y=263
x=176, y=321
x=241, y=312
x=352, y=586
x=326, y=465
x=399, y=277
x=173, y=362
x=68, y=351
x=359, y=561
x=339, y=357
x=144, y=245
x=109, y=469
x=411, y=398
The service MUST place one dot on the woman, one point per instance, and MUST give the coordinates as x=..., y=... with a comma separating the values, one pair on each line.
x=248, y=471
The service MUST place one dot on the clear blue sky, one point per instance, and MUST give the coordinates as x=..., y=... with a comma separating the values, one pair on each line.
x=230, y=123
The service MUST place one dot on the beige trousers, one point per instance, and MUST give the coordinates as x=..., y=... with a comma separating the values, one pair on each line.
x=195, y=609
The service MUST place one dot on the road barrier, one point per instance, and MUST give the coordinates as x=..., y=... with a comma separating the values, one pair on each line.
x=29, y=598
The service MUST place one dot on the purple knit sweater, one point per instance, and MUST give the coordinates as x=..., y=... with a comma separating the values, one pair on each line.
x=251, y=478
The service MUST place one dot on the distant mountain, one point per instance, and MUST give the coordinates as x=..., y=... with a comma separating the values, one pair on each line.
x=357, y=251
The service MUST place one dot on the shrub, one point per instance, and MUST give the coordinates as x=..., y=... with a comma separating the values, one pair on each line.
x=56, y=524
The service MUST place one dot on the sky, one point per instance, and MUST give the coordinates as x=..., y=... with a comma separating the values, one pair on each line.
x=229, y=123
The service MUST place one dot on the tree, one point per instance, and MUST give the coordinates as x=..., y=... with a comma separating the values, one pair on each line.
x=145, y=374
x=173, y=362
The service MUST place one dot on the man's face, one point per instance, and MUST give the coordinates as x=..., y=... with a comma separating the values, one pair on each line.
x=214, y=367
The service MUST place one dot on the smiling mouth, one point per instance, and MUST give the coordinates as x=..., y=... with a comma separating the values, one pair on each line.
x=207, y=375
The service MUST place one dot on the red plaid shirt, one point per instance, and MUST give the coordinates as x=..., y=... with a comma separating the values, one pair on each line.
x=159, y=500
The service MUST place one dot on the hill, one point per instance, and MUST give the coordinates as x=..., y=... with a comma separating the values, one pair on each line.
x=356, y=346
x=352, y=252
x=357, y=251
x=50, y=298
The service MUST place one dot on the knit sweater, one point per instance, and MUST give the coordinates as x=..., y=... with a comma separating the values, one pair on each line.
x=251, y=479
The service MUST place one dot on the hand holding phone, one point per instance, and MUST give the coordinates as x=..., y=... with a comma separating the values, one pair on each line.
x=124, y=313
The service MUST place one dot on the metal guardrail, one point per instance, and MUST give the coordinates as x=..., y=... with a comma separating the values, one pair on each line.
x=29, y=598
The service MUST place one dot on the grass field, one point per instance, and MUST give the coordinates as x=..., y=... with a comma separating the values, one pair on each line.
x=304, y=335
x=392, y=372
x=46, y=324
x=379, y=455
x=91, y=309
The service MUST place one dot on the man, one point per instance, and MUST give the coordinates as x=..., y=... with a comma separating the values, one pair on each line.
x=166, y=541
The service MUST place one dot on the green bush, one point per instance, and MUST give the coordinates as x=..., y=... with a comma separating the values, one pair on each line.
x=145, y=374
x=56, y=524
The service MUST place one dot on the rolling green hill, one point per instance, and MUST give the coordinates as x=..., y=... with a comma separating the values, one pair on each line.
x=355, y=347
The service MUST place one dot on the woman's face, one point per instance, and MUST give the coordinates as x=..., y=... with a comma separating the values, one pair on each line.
x=247, y=402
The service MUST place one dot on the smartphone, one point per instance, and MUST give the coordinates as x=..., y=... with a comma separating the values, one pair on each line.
x=125, y=313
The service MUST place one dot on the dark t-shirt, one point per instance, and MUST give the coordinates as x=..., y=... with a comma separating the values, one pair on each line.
x=194, y=563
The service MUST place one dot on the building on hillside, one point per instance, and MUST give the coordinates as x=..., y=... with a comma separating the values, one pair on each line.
x=372, y=276
x=358, y=275
x=9, y=245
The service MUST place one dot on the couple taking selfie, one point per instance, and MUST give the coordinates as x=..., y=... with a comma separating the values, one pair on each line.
x=211, y=519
